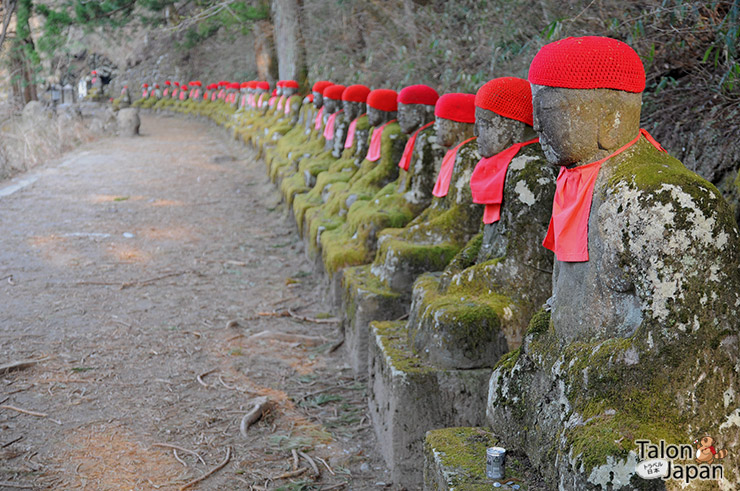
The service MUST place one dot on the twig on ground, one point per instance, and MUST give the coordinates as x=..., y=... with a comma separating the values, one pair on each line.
x=8, y=484
x=316, y=471
x=209, y=473
x=6, y=445
x=295, y=458
x=234, y=337
x=152, y=280
x=288, y=338
x=326, y=465
x=199, y=378
x=233, y=323
x=331, y=320
x=335, y=346
x=336, y=486
x=290, y=474
x=283, y=300
x=174, y=451
x=20, y=365
x=175, y=447
x=30, y=413
x=230, y=387
x=260, y=405
x=402, y=318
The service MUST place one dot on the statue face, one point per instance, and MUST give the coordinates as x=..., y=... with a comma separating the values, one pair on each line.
x=579, y=125
x=352, y=110
x=410, y=117
x=450, y=132
x=374, y=116
x=289, y=91
x=330, y=106
x=279, y=91
x=318, y=100
x=495, y=132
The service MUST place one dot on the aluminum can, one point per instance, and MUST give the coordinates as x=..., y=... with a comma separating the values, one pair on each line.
x=495, y=462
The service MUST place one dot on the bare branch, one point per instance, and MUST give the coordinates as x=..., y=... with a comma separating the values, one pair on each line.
x=6, y=19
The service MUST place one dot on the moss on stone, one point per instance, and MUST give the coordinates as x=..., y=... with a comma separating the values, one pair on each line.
x=393, y=337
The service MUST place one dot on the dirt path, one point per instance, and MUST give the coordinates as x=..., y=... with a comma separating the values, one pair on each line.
x=135, y=270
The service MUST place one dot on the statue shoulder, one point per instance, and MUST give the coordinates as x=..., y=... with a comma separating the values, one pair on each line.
x=469, y=151
x=362, y=123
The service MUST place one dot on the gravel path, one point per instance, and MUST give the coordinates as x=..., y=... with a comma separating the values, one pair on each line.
x=134, y=272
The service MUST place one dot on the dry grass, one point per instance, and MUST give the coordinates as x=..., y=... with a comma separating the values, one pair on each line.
x=25, y=144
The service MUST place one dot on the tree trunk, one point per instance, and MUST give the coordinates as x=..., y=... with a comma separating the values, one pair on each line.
x=291, y=52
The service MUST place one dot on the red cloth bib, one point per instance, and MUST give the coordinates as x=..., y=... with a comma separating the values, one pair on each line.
x=166, y=91
x=319, y=119
x=373, y=152
x=271, y=102
x=280, y=103
x=487, y=181
x=442, y=186
x=287, y=106
x=351, y=132
x=408, y=151
x=567, y=235
x=329, y=130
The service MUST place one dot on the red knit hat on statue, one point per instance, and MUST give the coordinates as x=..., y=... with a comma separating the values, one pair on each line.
x=589, y=62
x=334, y=92
x=167, y=82
x=279, y=83
x=456, y=107
x=509, y=97
x=274, y=92
x=263, y=85
x=356, y=93
x=418, y=94
x=321, y=85
x=290, y=84
x=383, y=100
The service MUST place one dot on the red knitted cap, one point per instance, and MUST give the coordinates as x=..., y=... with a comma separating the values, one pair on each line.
x=456, y=107
x=356, y=93
x=383, y=100
x=234, y=85
x=509, y=97
x=167, y=82
x=334, y=92
x=274, y=91
x=279, y=83
x=290, y=84
x=145, y=85
x=244, y=85
x=309, y=97
x=320, y=86
x=263, y=85
x=177, y=84
x=589, y=62
x=418, y=94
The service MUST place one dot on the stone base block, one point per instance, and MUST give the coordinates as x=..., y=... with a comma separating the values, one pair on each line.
x=364, y=300
x=455, y=459
x=409, y=397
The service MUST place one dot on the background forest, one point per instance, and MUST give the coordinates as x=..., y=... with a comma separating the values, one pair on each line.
x=689, y=48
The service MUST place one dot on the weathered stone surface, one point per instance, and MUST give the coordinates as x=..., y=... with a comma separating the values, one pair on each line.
x=480, y=307
x=128, y=122
x=34, y=114
x=642, y=341
x=364, y=300
x=432, y=239
x=455, y=459
x=409, y=397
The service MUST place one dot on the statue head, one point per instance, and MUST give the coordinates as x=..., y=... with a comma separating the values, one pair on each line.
x=333, y=98
x=454, y=118
x=503, y=114
x=263, y=88
x=354, y=100
x=318, y=93
x=416, y=107
x=382, y=105
x=586, y=98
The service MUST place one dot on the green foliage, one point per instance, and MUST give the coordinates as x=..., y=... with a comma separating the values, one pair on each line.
x=239, y=14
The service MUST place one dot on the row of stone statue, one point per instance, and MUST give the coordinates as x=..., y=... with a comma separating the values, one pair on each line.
x=448, y=209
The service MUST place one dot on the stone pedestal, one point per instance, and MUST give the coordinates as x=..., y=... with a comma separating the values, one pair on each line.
x=365, y=300
x=409, y=397
x=455, y=459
